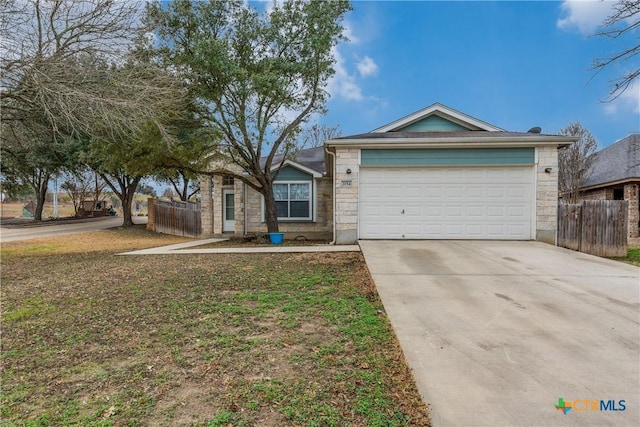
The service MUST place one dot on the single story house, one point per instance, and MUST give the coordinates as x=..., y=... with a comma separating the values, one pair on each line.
x=615, y=175
x=434, y=174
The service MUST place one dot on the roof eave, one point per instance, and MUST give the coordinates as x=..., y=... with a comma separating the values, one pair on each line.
x=610, y=183
x=497, y=141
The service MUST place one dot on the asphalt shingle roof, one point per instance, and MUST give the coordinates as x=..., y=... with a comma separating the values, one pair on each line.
x=312, y=158
x=617, y=162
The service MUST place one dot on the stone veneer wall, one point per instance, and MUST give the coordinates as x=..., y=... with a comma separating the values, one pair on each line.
x=347, y=195
x=211, y=205
x=206, y=206
x=631, y=195
x=547, y=194
x=321, y=228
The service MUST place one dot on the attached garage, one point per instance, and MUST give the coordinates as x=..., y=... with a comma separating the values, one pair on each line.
x=442, y=174
x=479, y=194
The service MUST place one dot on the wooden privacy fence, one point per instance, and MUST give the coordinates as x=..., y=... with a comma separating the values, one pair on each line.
x=597, y=227
x=177, y=218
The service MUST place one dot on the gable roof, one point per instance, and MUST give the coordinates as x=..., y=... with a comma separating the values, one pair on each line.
x=618, y=162
x=462, y=120
x=310, y=160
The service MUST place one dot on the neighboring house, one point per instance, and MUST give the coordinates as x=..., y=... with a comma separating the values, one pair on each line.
x=435, y=174
x=615, y=175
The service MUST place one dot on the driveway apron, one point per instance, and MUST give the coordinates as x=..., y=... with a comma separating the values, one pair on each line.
x=497, y=332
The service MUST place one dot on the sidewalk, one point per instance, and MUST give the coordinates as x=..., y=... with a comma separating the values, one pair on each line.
x=187, y=248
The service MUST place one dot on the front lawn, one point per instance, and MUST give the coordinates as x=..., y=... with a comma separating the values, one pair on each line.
x=92, y=338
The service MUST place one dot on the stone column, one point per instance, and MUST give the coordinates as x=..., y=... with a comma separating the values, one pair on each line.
x=206, y=206
x=216, y=195
x=238, y=200
x=631, y=196
x=347, y=195
x=547, y=195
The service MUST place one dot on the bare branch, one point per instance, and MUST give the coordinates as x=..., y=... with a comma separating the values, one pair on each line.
x=624, y=21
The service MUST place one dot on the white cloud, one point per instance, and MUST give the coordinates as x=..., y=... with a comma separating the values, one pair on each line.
x=343, y=84
x=629, y=100
x=349, y=34
x=584, y=15
x=367, y=67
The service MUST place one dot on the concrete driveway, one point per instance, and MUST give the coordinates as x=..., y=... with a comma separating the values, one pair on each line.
x=497, y=332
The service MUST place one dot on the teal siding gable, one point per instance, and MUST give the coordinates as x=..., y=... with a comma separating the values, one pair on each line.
x=432, y=123
x=448, y=157
x=288, y=173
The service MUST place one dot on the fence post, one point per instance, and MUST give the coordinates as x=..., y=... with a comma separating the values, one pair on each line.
x=151, y=213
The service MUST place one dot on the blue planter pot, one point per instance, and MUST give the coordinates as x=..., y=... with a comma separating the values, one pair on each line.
x=276, y=238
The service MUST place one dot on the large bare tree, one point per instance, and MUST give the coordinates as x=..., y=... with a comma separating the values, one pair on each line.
x=77, y=70
x=574, y=161
x=50, y=52
x=316, y=134
x=623, y=22
x=259, y=73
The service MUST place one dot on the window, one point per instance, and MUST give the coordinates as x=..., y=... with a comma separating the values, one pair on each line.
x=293, y=200
x=227, y=180
x=618, y=193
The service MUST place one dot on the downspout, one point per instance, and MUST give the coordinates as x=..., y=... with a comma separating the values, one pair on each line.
x=333, y=189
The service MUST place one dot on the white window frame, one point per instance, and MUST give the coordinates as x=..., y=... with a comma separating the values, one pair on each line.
x=312, y=210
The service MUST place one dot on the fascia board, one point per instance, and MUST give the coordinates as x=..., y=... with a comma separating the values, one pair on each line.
x=446, y=112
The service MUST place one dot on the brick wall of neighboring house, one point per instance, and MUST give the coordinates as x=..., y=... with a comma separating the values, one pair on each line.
x=321, y=228
x=547, y=194
x=597, y=194
x=630, y=194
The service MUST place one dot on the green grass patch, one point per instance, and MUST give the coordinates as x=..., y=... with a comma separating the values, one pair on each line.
x=42, y=248
x=30, y=307
x=633, y=257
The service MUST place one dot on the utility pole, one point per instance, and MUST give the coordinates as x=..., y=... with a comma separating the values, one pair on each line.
x=55, y=198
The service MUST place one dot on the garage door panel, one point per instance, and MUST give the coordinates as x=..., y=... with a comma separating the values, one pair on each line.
x=446, y=203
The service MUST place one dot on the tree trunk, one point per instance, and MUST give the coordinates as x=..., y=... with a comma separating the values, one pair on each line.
x=125, y=193
x=128, y=191
x=40, y=184
x=271, y=214
x=127, y=201
x=184, y=196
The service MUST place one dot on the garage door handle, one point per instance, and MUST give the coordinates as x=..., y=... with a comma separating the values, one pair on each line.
x=402, y=211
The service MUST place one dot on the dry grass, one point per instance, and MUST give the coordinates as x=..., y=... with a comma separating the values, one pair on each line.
x=93, y=338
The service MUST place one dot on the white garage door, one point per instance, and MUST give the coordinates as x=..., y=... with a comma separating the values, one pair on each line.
x=446, y=203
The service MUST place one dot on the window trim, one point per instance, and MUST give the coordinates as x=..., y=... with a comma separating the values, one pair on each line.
x=312, y=204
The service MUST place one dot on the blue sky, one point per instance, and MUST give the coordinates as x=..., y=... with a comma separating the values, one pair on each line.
x=514, y=64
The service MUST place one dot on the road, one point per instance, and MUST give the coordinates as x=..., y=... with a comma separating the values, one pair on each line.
x=33, y=231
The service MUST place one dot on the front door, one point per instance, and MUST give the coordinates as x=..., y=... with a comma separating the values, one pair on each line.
x=228, y=209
